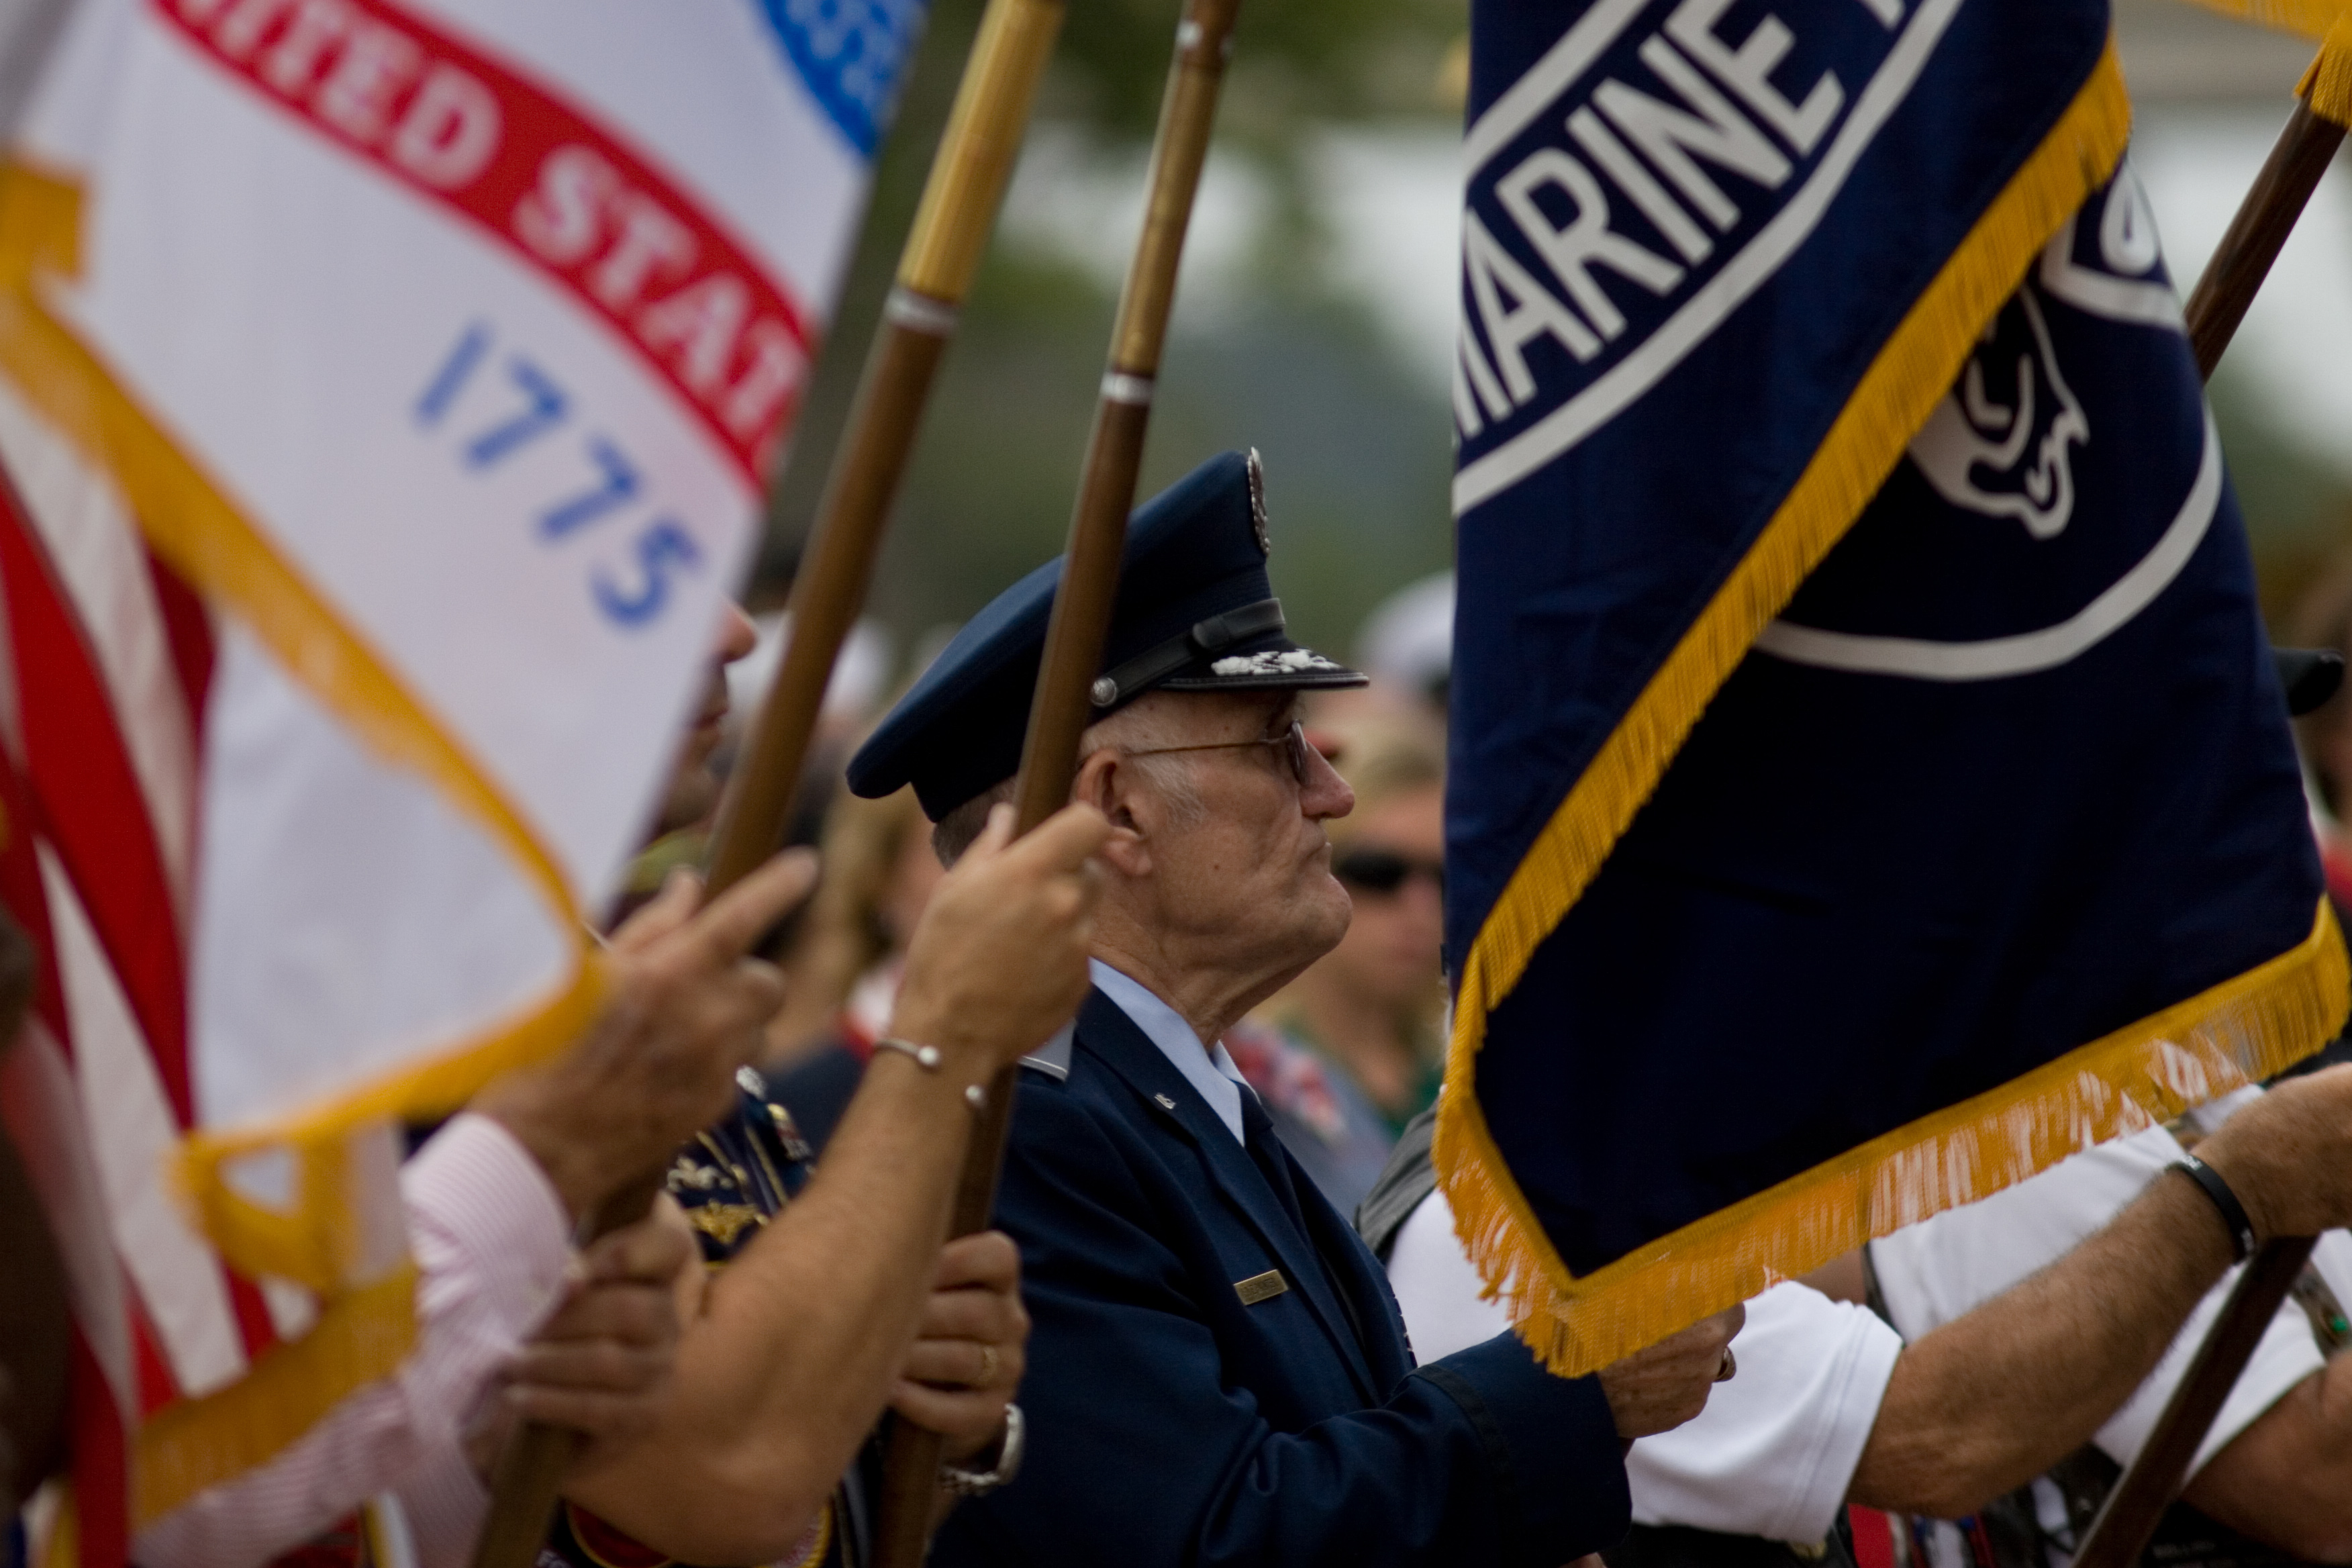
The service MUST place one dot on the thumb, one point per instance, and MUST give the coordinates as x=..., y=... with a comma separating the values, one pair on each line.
x=995, y=835
x=671, y=907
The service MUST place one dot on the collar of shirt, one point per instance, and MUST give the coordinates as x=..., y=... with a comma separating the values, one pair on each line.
x=1211, y=1073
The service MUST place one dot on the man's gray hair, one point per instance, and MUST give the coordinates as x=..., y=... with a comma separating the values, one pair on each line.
x=1149, y=720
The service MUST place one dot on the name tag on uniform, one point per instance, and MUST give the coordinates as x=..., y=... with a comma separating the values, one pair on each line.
x=1259, y=1288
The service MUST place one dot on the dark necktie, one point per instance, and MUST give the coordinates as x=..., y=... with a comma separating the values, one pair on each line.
x=1264, y=1146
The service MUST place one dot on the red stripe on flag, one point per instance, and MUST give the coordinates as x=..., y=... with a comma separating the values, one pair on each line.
x=563, y=194
x=92, y=811
x=157, y=1386
x=102, y=1465
x=188, y=632
x=255, y=1327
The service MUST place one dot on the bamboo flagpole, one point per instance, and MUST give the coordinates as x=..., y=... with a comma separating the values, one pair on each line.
x=1081, y=622
x=2129, y=1517
x=951, y=232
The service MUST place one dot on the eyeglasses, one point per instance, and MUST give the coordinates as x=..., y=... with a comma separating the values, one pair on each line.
x=1385, y=870
x=1296, y=750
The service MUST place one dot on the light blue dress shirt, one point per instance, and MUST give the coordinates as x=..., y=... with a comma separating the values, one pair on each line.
x=1210, y=1073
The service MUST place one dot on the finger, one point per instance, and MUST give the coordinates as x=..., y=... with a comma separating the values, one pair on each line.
x=599, y=1415
x=732, y=922
x=637, y=1314
x=671, y=907
x=648, y=1252
x=986, y=1257
x=964, y=1364
x=992, y=838
x=954, y=1415
x=1064, y=841
x=990, y=1317
x=596, y=1364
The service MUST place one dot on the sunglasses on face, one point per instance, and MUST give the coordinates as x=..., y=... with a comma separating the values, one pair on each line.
x=1385, y=870
x=1297, y=754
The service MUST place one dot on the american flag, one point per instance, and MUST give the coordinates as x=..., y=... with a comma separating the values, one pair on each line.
x=101, y=725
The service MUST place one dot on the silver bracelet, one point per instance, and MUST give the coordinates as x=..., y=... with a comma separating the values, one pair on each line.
x=959, y=1482
x=929, y=1058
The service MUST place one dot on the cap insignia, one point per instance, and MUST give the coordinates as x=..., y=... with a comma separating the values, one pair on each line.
x=1258, y=503
x=1273, y=661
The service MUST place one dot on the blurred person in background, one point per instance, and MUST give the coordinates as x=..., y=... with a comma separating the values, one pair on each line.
x=1353, y=1048
x=2322, y=618
x=1406, y=646
x=850, y=953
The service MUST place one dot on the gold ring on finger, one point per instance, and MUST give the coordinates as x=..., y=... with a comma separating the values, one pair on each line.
x=987, y=1366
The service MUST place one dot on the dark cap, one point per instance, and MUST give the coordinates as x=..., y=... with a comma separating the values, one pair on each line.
x=1195, y=613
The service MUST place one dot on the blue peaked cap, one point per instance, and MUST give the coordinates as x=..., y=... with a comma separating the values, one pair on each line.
x=1196, y=612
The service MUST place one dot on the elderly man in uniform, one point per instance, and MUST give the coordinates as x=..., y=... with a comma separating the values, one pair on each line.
x=1218, y=1374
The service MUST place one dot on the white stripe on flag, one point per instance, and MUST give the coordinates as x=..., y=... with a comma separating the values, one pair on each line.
x=131, y=1133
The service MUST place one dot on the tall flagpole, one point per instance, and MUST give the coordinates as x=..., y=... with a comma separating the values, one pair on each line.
x=935, y=273
x=2129, y=1517
x=951, y=228
x=1081, y=622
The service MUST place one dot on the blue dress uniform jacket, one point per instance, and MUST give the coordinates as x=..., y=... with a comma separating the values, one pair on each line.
x=1172, y=1422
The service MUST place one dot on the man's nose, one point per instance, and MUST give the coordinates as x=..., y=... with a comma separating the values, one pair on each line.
x=1325, y=795
x=737, y=635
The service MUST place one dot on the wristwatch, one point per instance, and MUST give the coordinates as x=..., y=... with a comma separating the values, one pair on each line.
x=958, y=1482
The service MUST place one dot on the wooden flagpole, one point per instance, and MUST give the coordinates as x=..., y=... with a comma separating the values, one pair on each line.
x=943, y=250
x=951, y=232
x=1059, y=711
x=2256, y=234
x=2129, y=1517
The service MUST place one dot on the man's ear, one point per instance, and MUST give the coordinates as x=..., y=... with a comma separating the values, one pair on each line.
x=1106, y=782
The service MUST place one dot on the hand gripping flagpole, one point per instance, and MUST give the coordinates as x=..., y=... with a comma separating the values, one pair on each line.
x=944, y=249
x=2129, y=1517
x=1059, y=711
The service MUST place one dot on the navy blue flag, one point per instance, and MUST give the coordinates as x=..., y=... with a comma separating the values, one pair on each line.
x=1869, y=780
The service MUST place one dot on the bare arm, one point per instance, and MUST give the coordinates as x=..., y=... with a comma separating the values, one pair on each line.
x=2287, y=1480
x=1996, y=1396
x=1993, y=1398
x=797, y=1345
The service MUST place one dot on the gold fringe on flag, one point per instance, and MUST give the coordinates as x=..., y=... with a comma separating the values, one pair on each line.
x=2327, y=85
x=2238, y=1032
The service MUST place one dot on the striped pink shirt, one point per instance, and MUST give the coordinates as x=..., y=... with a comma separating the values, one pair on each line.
x=491, y=1242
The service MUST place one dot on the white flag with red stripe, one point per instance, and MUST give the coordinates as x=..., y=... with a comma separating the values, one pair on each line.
x=388, y=390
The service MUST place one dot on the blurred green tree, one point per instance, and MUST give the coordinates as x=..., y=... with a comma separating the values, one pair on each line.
x=1356, y=443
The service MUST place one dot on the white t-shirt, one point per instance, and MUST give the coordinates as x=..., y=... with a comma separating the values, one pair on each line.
x=1774, y=1452
x=1932, y=1272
